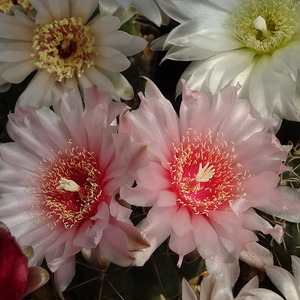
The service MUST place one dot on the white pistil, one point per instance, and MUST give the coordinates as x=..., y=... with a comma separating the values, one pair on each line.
x=260, y=24
x=68, y=185
x=205, y=173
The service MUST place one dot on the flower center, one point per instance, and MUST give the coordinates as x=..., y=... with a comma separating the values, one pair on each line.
x=265, y=25
x=5, y=5
x=64, y=47
x=67, y=188
x=205, y=173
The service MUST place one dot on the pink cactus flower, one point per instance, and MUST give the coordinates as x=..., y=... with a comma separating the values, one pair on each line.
x=60, y=178
x=207, y=170
x=16, y=279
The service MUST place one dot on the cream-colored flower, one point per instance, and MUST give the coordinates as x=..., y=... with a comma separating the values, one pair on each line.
x=64, y=45
x=252, y=42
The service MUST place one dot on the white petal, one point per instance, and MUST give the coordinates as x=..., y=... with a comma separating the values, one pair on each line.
x=17, y=72
x=15, y=55
x=121, y=85
x=179, y=36
x=287, y=105
x=263, y=90
x=124, y=3
x=225, y=270
x=118, y=63
x=283, y=62
x=108, y=7
x=226, y=66
x=101, y=81
x=59, y=9
x=284, y=281
x=216, y=41
x=83, y=11
x=188, y=53
x=187, y=292
x=124, y=15
x=194, y=9
x=34, y=94
x=253, y=283
x=135, y=46
x=43, y=15
x=290, y=205
x=114, y=38
x=104, y=25
x=23, y=18
x=84, y=81
x=262, y=294
x=12, y=28
x=229, y=5
x=296, y=269
x=171, y=10
x=149, y=9
x=256, y=256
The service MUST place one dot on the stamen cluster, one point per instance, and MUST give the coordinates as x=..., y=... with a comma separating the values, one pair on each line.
x=205, y=173
x=64, y=47
x=278, y=16
x=62, y=205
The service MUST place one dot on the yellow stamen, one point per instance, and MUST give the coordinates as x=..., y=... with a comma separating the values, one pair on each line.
x=5, y=5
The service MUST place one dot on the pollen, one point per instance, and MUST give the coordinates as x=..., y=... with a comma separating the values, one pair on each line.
x=64, y=47
x=5, y=5
x=265, y=25
x=206, y=173
x=67, y=187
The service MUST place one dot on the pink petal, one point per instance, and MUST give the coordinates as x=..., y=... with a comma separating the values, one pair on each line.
x=252, y=221
x=155, y=229
x=113, y=246
x=181, y=222
x=205, y=236
x=63, y=276
x=182, y=245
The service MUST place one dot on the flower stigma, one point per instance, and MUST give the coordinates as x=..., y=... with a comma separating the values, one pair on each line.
x=67, y=188
x=70, y=186
x=205, y=173
x=64, y=47
x=265, y=25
